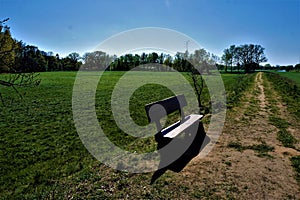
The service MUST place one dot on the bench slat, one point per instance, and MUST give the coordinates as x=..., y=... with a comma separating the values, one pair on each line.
x=178, y=128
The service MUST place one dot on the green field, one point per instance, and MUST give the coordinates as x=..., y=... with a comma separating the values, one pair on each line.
x=295, y=76
x=39, y=145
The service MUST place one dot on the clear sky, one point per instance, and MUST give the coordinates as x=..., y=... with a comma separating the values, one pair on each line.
x=65, y=26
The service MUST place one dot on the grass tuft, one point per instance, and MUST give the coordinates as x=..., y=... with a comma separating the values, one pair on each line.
x=296, y=164
x=262, y=149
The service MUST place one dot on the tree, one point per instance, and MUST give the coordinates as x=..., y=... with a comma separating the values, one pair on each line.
x=153, y=58
x=161, y=58
x=237, y=59
x=143, y=58
x=297, y=66
x=232, y=51
x=248, y=56
x=178, y=60
x=168, y=61
x=201, y=61
x=74, y=57
x=31, y=59
x=8, y=51
x=53, y=63
x=71, y=62
x=227, y=57
x=267, y=66
x=8, y=46
x=98, y=60
x=289, y=68
x=198, y=84
x=136, y=60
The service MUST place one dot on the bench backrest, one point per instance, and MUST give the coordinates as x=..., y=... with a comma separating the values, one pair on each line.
x=159, y=109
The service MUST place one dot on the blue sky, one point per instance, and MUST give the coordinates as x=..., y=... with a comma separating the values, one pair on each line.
x=79, y=26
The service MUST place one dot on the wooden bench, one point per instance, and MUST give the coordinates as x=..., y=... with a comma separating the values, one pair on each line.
x=157, y=110
x=177, y=152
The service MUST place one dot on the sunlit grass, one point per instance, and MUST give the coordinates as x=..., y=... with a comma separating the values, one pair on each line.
x=39, y=144
x=295, y=76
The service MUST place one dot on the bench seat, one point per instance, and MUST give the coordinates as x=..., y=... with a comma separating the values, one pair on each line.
x=175, y=129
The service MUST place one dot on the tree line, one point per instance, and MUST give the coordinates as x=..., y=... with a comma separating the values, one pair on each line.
x=247, y=58
x=17, y=57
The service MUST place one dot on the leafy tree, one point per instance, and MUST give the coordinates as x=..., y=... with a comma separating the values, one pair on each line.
x=136, y=60
x=228, y=56
x=237, y=59
x=152, y=58
x=53, y=62
x=143, y=59
x=74, y=57
x=248, y=55
x=8, y=47
x=71, y=62
x=8, y=51
x=178, y=61
x=168, y=61
x=32, y=59
x=267, y=66
x=161, y=58
x=128, y=58
x=202, y=60
x=98, y=60
x=289, y=67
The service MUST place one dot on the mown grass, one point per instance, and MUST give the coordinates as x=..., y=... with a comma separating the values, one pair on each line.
x=295, y=76
x=41, y=150
x=39, y=143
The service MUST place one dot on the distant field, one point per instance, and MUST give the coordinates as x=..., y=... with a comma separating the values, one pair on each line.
x=39, y=145
x=295, y=76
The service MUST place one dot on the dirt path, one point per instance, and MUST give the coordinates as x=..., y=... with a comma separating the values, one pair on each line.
x=248, y=162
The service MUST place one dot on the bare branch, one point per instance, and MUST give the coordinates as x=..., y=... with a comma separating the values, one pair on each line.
x=3, y=21
x=198, y=84
x=21, y=80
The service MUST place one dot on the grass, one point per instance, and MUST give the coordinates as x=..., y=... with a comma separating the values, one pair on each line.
x=278, y=122
x=262, y=149
x=283, y=135
x=235, y=85
x=41, y=153
x=236, y=145
x=295, y=160
x=294, y=76
x=39, y=142
x=287, y=139
x=288, y=89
